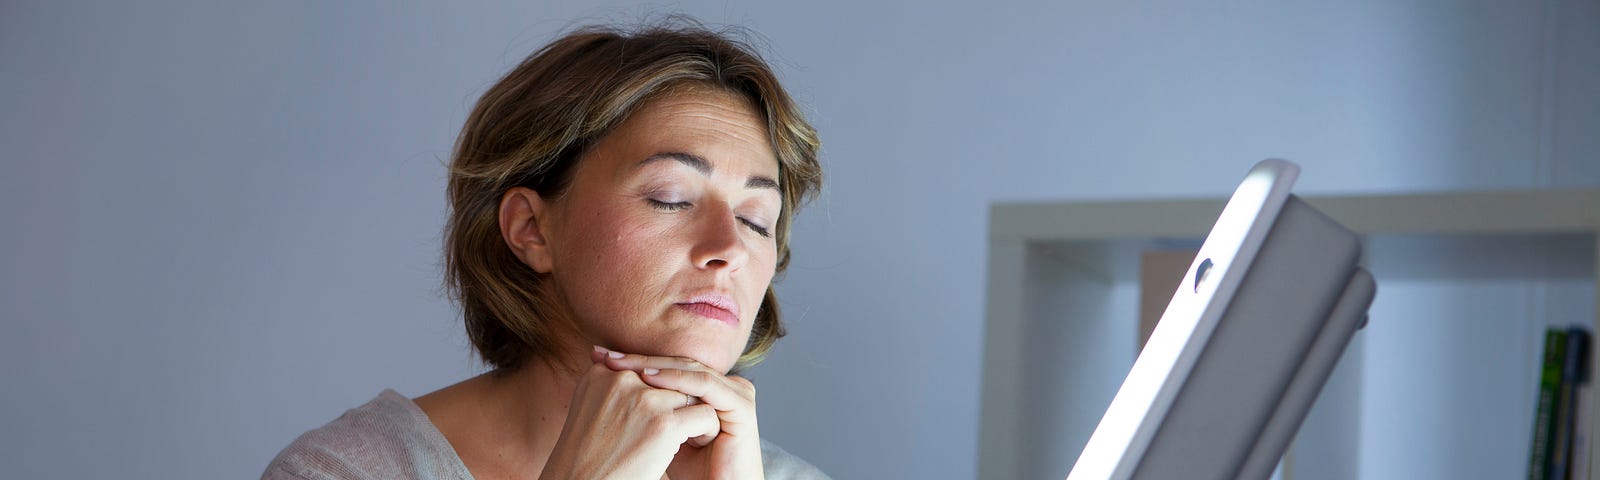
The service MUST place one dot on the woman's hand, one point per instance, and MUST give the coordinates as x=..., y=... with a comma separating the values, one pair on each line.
x=730, y=451
x=618, y=426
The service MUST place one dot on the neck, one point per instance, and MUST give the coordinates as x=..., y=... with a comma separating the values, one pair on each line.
x=504, y=423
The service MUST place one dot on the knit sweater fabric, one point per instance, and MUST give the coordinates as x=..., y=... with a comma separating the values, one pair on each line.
x=391, y=438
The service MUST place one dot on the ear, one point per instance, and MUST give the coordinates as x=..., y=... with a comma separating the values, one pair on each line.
x=525, y=223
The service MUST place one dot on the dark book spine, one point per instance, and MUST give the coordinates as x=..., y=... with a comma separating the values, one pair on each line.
x=1555, y=348
x=1572, y=373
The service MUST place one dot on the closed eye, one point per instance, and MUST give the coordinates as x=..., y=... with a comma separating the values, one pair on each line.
x=760, y=230
x=680, y=206
x=669, y=206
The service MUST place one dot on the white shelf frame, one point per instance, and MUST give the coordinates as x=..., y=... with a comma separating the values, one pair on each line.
x=1015, y=228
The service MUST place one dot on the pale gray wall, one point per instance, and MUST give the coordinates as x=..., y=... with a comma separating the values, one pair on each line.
x=220, y=223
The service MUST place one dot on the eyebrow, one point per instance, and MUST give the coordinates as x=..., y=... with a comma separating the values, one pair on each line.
x=700, y=164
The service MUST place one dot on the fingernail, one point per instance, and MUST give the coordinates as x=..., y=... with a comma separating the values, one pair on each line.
x=614, y=354
x=600, y=349
x=651, y=371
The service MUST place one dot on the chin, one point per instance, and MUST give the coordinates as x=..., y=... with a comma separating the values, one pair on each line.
x=715, y=358
x=675, y=334
x=719, y=357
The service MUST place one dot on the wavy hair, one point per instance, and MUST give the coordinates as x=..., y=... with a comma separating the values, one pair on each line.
x=533, y=125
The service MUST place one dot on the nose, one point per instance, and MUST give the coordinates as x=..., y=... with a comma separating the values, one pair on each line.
x=718, y=243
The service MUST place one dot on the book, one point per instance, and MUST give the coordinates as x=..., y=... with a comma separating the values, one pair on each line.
x=1583, y=434
x=1555, y=350
x=1566, y=403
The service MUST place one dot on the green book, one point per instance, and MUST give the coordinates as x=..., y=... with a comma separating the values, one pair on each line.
x=1555, y=355
x=1567, y=403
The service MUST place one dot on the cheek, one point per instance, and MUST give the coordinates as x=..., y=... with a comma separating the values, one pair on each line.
x=613, y=265
x=637, y=248
x=608, y=238
x=764, y=259
x=759, y=273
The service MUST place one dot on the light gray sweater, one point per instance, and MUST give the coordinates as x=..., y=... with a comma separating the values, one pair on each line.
x=391, y=438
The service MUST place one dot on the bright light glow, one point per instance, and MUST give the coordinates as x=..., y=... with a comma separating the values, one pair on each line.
x=1123, y=435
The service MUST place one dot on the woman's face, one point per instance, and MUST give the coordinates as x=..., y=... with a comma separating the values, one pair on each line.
x=662, y=244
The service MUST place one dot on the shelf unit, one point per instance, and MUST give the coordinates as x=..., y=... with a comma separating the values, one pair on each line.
x=1438, y=366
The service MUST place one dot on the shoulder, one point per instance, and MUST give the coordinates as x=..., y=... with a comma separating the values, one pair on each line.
x=779, y=464
x=388, y=437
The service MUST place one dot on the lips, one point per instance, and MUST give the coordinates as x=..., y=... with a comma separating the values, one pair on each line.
x=713, y=305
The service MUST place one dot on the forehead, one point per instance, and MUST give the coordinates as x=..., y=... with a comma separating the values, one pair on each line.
x=723, y=127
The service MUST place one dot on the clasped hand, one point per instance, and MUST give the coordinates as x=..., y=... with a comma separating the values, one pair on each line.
x=639, y=417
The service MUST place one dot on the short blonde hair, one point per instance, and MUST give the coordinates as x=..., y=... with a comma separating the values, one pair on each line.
x=533, y=125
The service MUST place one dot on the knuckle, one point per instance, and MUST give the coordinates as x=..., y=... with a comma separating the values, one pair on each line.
x=658, y=400
x=659, y=425
x=640, y=403
x=745, y=385
x=615, y=381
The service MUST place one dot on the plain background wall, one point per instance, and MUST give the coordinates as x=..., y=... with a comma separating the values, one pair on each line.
x=219, y=223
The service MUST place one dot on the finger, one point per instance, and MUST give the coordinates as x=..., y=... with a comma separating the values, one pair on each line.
x=636, y=362
x=720, y=392
x=599, y=354
x=701, y=441
x=698, y=425
x=691, y=422
x=678, y=425
x=602, y=384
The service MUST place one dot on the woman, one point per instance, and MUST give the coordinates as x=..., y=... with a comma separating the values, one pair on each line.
x=620, y=204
